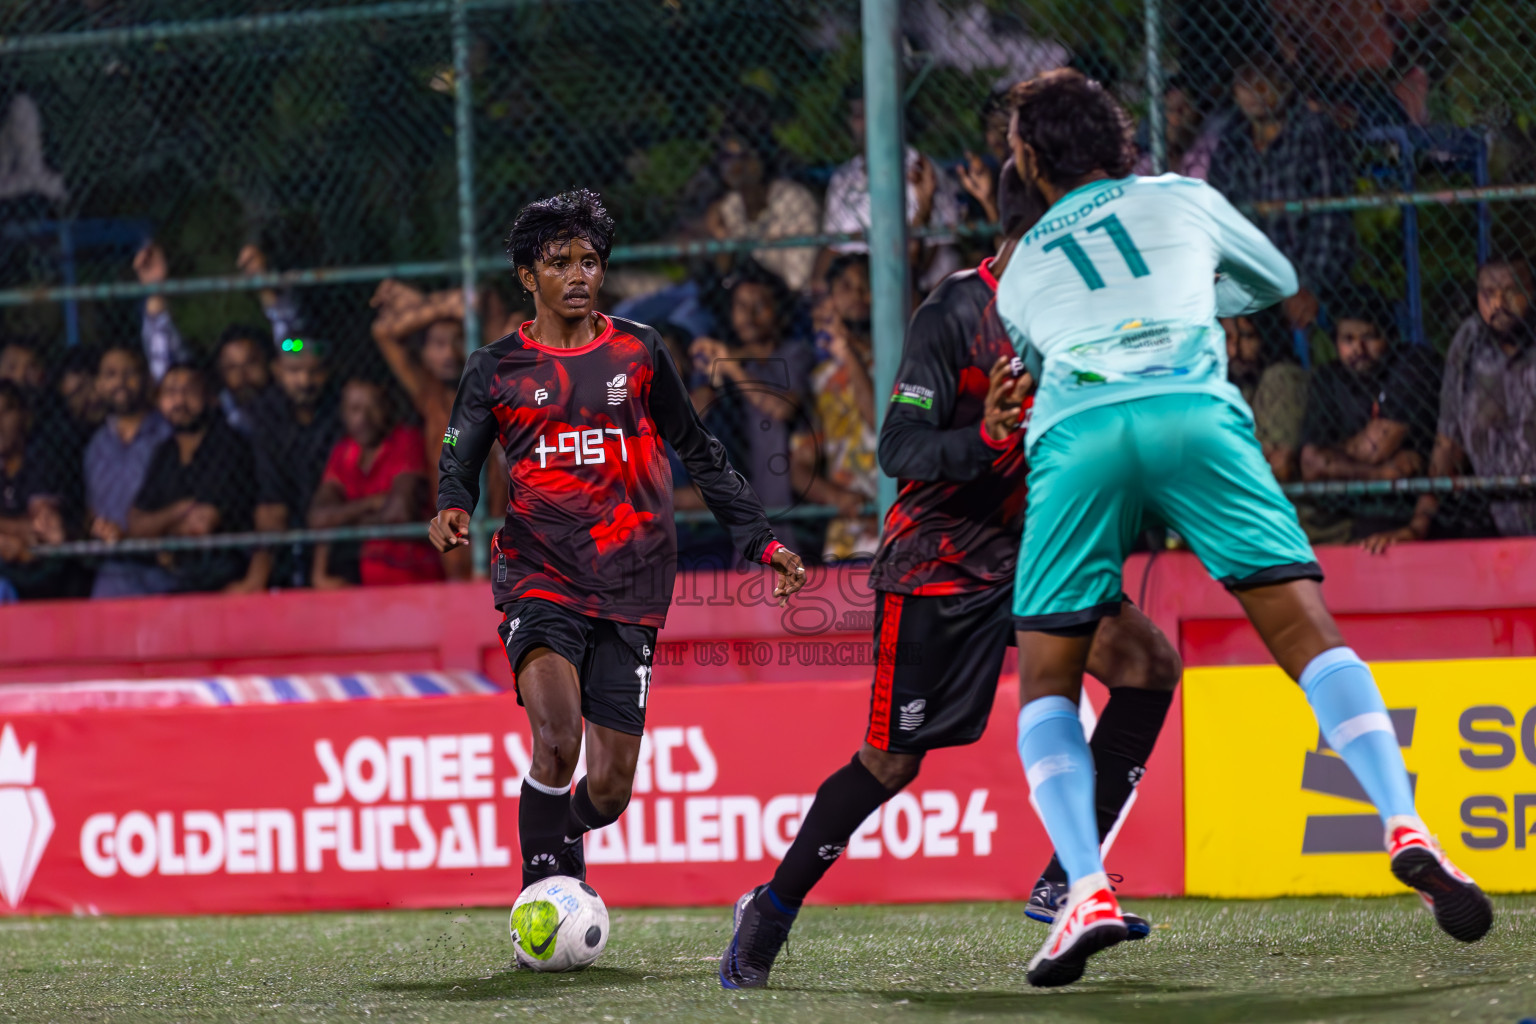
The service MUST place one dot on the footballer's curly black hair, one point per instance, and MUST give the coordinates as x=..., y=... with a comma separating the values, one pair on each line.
x=1074, y=126
x=557, y=220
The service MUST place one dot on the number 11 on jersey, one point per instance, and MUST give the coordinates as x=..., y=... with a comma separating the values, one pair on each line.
x=1081, y=262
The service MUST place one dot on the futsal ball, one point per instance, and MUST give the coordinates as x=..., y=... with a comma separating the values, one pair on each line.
x=559, y=923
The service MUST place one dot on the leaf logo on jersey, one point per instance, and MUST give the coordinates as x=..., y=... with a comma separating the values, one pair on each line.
x=617, y=389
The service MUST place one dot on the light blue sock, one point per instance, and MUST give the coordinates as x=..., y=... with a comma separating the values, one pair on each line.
x=1353, y=717
x=1059, y=767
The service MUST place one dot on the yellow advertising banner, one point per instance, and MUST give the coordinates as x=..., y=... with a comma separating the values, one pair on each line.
x=1270, y=810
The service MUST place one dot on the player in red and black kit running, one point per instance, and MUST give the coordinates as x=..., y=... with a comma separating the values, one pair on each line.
x=943, y=581
x=584, y=564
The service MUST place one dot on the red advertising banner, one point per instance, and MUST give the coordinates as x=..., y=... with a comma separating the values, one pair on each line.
x=372, y=803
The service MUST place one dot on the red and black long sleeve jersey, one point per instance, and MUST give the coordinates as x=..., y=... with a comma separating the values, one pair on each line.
x=958, y=517
x=589, y=523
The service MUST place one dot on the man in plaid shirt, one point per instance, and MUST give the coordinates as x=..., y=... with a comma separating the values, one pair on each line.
x=1280, y=149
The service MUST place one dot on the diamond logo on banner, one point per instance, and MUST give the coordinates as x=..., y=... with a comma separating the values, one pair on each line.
x=26, y=823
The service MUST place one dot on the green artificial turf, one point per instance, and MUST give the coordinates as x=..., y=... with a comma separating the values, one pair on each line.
x=1281, y=960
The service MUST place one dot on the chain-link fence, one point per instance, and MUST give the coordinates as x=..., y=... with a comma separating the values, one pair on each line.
x=201, y=182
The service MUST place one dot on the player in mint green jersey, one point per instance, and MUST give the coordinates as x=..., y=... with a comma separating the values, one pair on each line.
x=1112, y=299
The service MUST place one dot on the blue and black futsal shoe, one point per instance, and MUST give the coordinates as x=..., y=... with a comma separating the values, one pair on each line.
x=1049, y=897
x=756, y=940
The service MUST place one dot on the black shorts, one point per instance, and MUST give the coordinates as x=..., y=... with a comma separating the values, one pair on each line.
x=937, y=660
x=612, y=659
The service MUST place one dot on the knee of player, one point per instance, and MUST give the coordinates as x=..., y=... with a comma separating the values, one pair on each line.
x=610, y=789
x=1164, y=667
x=558, y=745
x=1146, y=666
x=894, y=771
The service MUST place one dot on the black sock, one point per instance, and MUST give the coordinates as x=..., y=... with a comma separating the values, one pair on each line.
x=1121, y=744
x=584, y=815
x=541, y=820
x=845, y=799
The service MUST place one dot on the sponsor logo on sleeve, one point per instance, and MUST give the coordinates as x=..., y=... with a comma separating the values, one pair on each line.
x=913, y=394
x=451, y=437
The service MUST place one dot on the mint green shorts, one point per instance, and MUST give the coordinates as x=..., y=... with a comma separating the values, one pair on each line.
x=1190, y=461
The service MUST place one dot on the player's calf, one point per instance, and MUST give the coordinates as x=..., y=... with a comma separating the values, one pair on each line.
x=764, y=916
x=843, y=801
x=542, y=811
x=600, y=796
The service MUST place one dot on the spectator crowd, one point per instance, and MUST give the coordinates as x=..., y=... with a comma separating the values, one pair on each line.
x=156, y=437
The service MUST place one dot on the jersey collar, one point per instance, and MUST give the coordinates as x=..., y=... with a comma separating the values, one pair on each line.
x=984, y=271
x=602, y=337
x=1090, y=186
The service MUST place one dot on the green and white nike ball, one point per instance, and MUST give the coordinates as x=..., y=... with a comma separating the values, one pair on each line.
x=559, y=923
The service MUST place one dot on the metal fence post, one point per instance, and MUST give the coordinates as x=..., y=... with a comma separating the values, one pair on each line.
x=464, y=153
x=1155, y=126
x=884, y=156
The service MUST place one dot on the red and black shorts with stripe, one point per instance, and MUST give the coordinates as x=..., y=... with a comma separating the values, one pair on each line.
x=937, y=660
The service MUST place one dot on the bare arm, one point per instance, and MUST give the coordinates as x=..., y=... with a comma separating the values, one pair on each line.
x=824, y=260
x=863, y=389
x=1282, y=462
x=13, y=549
x=331, y=508
x=47, y=519
x=407, y=493
x=269, y=518
x=816, y=489
x=714, y=356
x=150, y=266
x=159, y=523
x=1379, y=441
x=1319, y=463
x=18, y=527
x=404, y=311
x=1444, y=460
x=925, y=181
x=320, y=571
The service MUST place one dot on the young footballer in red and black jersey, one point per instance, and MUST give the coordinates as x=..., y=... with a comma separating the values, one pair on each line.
x=583, y=567
x=943, y=581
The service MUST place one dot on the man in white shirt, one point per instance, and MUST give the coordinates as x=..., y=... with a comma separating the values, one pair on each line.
x=932, y=202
